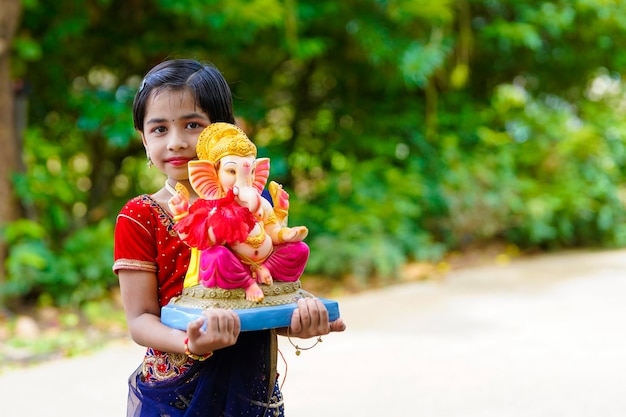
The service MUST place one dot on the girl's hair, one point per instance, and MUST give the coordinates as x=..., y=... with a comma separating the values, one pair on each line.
x=210, y=90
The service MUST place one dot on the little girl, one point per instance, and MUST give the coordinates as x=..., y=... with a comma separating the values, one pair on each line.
x=206, y=371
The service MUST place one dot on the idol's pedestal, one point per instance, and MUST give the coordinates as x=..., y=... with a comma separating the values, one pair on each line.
x=273, y=312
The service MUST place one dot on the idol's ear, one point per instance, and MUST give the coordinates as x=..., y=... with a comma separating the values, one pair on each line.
x=261, y=173
x=204, y=180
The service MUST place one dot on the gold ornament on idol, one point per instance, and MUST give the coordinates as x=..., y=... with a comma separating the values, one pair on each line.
x=221, y=139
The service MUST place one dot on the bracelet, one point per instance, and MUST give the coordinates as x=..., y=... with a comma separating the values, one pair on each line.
x=298, y=348
x=193, y=355
x=281, y=239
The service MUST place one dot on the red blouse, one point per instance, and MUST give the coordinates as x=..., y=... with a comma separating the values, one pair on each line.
x=145, y=240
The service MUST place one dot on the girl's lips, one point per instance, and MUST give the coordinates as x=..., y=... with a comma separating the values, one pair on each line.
x=178, y=161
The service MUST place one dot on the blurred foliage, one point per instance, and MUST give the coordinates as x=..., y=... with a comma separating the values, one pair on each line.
x=403, y=129
x=54, y=332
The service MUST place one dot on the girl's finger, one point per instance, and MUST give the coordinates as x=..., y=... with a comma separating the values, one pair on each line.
x=237, y=328
x=305, y=314
x=296, y=326
x=337, y=326
x=194, y=326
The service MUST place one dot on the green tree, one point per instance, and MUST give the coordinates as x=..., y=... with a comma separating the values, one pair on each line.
x=403, y=129
x=9, y=158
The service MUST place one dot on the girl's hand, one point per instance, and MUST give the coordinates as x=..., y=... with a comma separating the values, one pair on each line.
x=310, y=319
x=222, y=330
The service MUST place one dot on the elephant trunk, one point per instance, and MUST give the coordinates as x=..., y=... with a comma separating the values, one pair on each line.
x=246, y=194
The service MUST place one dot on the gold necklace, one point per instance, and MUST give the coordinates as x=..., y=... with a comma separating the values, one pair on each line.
x=258, y=240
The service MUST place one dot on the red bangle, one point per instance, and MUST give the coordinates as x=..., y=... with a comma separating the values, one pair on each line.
x=193, y=355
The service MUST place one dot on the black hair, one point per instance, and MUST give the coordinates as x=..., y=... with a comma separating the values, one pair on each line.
x=210, y=90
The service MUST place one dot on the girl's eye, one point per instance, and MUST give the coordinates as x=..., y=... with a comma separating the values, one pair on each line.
x=160, y=129
x=193, y=125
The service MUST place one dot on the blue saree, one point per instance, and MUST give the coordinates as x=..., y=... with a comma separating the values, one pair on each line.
x=236, y=381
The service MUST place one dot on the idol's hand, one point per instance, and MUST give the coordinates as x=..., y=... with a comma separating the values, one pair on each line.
x=179, y=203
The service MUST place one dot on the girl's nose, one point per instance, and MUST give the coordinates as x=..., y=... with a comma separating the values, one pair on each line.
x=177, y=140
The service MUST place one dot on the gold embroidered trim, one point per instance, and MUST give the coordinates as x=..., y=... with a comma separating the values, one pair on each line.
x=135, y=265
x=163, y=367
x=165, y=218
x=136, y=222
x=276, y=403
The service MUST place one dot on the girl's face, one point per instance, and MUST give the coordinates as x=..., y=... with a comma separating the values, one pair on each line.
x=171, y=128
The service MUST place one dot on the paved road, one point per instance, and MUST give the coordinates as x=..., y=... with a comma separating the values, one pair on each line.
x=538, y=337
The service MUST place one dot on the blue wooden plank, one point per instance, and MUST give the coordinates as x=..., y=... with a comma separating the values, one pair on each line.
x=251, y=318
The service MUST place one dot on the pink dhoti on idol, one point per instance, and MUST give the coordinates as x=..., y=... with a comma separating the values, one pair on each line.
x=244, y=256
x=220, y=267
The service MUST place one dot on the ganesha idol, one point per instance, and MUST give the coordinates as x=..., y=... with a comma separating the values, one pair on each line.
x=243, y=254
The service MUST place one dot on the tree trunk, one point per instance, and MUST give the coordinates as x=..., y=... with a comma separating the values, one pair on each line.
x=10, y=11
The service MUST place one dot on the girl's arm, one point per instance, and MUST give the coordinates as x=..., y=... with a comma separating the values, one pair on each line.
x=140, y=299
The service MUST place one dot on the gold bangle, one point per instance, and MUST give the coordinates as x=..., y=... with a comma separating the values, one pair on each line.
x=193, y=355
x=298, y=348
x=281, y=239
